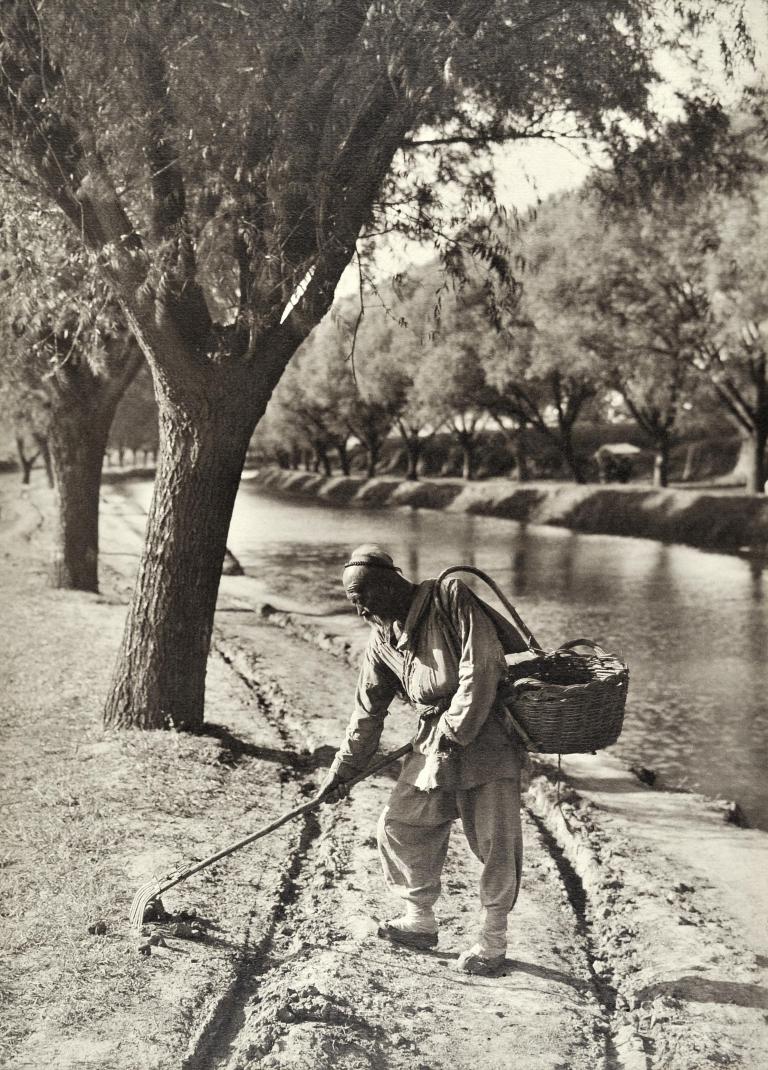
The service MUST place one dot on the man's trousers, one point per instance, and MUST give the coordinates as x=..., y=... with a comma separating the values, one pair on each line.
x=413, y=835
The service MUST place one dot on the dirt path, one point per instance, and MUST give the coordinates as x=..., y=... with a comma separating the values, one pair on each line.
x=640, y=937
x=331, y=993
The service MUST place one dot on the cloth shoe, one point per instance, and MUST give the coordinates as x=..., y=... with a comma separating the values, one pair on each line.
x=417, y=929
x=480, y=962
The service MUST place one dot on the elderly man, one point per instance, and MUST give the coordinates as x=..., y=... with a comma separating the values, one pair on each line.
x=442, y=651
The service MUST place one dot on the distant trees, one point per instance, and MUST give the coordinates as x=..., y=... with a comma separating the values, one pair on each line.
x=134, y=426
x=688, y=211
x=625, y=309
x=310, y=409
x=540, y=373
x=659, y=305
x=223, y=230
x=734, y=356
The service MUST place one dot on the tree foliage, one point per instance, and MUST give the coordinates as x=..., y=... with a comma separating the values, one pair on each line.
x=220, y=160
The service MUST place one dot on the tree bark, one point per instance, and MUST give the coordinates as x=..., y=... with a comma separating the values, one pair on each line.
x=413, y=449
x=78, y=438
x=372, y=452
x=569, y=455
x=753, y=449
x=467, y=459
x=159, y=679
x=343, y=452
x=27, y=463
x=661, y=464
x=521, y=454
x=323, y=460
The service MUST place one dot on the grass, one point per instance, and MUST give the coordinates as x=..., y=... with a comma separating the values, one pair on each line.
x=87, y=816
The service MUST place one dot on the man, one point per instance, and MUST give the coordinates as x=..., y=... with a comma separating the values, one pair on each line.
x=441, y=649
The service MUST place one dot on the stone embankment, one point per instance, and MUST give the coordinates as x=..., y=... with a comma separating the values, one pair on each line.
x=719, y=520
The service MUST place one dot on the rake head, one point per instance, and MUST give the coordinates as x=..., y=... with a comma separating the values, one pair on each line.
x=149, y=891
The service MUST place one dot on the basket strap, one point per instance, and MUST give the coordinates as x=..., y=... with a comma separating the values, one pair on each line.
x=518, y=621
x=503, y=711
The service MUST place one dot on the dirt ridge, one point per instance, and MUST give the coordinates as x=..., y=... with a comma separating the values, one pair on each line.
x=224, y=1020
x=631, y=917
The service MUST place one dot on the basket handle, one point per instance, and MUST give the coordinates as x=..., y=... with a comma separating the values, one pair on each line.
x=601, y=653
x=519, y=623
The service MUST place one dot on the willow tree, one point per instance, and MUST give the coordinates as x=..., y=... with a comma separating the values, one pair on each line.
x=68, y=358
x=221, y=158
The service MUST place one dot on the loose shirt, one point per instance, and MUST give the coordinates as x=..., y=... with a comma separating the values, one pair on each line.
x=455, y=668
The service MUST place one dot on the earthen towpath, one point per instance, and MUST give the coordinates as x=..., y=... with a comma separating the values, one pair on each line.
x=638, y=940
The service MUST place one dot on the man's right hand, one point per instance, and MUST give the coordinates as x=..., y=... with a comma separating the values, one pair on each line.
x=335, y=787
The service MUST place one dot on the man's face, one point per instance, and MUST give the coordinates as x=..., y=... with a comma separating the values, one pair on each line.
x=373, y=599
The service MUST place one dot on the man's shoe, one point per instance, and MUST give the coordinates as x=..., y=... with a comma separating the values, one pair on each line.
x=476, y=962
x=390, y=930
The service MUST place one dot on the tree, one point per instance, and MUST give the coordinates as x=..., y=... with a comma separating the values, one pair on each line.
x=420, y=415
x=24, y=409
x=629, y=308
x=69, y=359
x=541, y=373
x=702, y=183
x=453, y=383
x=735, y=358
x=318, y=394
x=135, y=424
x=295, y=154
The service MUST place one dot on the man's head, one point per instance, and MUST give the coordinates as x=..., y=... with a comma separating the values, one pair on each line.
x=375, y=586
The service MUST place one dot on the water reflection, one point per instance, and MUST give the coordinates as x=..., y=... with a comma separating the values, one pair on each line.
x=692, y=625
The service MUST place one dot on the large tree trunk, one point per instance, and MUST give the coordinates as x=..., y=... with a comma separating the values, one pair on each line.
x=159, y=679
x=83, y=406
x=78, y=438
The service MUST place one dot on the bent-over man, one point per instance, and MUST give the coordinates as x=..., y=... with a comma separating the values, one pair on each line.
x=442, y=651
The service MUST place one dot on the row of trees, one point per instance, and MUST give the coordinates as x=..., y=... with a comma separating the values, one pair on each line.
x=215, y=168
x=653, y=309
x=68, y=357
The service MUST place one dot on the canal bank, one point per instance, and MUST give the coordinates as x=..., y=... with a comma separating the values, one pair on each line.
x=636, y=943
x=710, y=519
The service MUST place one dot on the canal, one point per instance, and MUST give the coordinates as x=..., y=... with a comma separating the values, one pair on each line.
x=692, y=625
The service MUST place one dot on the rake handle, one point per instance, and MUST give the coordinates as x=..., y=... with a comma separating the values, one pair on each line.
x=304, y=809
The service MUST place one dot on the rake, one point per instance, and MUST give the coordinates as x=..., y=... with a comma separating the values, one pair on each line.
x=152, y=889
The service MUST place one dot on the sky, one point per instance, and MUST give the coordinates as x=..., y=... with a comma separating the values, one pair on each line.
x=532, y=171
x=539, y=169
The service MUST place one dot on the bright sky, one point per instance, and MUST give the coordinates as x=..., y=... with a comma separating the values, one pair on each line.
x=534, y=170
x=543, y=168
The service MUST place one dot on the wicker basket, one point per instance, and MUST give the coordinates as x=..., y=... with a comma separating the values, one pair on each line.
x=562, y=701
x=567, y=702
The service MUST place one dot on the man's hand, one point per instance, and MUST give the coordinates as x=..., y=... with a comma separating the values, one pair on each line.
x=334, y=788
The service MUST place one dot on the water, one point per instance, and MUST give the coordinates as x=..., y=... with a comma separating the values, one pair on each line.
x=693, y=626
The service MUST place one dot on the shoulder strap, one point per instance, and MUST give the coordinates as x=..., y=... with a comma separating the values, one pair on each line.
x=515, y=638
